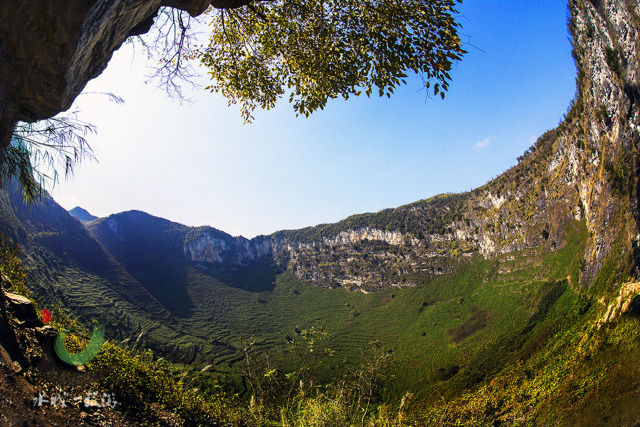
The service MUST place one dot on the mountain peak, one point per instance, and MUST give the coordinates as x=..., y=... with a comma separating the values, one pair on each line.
x=82, y=215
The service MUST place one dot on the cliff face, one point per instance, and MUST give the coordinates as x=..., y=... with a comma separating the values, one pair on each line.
x=600, y=150
x=208, y=245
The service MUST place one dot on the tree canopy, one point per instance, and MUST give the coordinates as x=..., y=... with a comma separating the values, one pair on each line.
x=315, y=50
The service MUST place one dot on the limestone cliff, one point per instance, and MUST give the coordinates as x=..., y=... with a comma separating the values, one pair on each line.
x=208, y=245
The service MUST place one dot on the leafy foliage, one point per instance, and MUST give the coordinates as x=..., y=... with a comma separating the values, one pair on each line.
x=11, y=267
x=138, y=381
x=40, y=151
x=316, y=50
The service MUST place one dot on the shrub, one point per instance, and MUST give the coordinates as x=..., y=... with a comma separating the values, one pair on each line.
x=11, y=267
x=137, y=381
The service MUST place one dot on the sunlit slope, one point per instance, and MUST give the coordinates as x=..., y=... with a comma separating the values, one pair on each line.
x=455, y=328
x=450, y=329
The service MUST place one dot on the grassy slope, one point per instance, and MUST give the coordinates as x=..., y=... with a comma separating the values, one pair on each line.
x=577, y=371
x=470, y=321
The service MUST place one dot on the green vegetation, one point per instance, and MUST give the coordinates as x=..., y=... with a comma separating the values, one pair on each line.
x=11, y=267
x=428, y=216
x=314, y=51
x=578, y=372
x=40, y=151
x=475, y=349
x=263, y=348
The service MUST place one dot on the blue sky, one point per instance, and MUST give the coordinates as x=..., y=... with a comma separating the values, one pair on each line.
x=197, y=164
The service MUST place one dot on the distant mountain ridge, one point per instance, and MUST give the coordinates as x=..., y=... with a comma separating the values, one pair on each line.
x=82, y=214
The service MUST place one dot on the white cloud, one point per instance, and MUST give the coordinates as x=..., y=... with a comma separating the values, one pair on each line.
x=485, y=142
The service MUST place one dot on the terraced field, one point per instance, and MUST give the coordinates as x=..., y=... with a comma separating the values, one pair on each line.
x=437, y=331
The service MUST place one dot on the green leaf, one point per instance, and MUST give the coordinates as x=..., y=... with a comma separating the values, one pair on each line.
x=316, y=50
